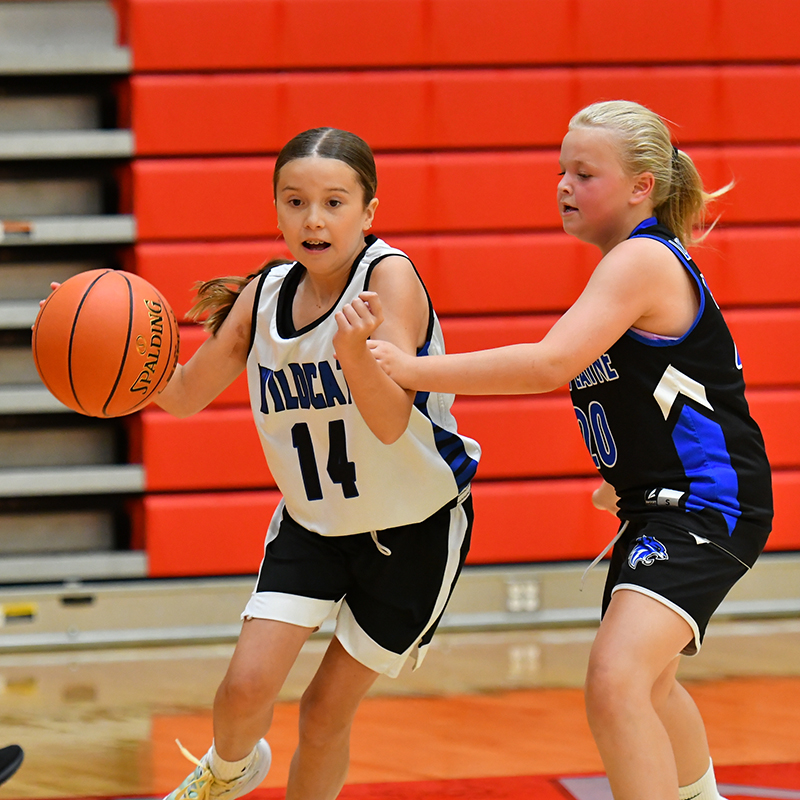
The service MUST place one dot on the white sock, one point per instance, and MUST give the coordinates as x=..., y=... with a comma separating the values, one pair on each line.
x=704, y=789
x=228, y=770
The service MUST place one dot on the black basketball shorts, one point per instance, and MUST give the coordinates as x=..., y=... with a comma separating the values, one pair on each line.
x=387, y=590
x=685, y=572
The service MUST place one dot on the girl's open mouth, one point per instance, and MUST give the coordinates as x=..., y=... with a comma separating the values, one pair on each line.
x=316, y=246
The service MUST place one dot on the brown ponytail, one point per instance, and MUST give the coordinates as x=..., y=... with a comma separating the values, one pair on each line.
x=215, y=298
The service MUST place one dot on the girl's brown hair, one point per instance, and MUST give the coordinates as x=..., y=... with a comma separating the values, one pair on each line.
x=215, y=298
x=645, y=145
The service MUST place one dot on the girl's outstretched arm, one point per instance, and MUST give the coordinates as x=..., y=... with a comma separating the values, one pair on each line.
x=399, y=316
x=639, y=283
x=504, y=370
x=216, y=364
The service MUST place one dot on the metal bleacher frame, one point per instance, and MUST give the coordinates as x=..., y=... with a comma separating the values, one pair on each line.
x=71, y=39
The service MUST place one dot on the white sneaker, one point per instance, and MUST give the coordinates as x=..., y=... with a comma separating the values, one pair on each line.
x=202, y=784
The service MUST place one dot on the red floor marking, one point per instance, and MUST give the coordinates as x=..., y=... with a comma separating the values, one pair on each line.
x=747, y=782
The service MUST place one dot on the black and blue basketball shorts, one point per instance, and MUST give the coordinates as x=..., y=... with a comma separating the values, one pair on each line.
x=387, y=589
x=686, y=572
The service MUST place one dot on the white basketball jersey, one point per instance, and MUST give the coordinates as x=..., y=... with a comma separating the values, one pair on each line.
x=336, y=476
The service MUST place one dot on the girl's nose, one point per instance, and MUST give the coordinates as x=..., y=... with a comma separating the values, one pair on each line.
x=313, y=218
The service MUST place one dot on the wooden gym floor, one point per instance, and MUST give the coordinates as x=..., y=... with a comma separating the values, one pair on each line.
x=483, y=708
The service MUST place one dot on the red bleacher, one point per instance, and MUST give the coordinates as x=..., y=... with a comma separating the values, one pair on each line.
x=250, y=113
x=253, y=35
x=466, y=119
x=230, y=198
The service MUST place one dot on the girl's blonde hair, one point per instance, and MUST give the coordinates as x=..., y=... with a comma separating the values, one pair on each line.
x=215, y=298
x=645, y=145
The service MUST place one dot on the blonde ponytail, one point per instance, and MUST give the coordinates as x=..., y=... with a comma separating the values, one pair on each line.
x=680, y=202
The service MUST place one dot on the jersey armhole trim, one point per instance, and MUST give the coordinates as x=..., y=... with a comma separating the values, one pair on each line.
x=693, y=273
x=429, y=326
x=254, y=312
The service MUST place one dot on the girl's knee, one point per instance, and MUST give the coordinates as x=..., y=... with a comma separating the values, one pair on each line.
x=612, y=691
x=246, y=690
x=322, y=722
x=601, y=690
x=666, y=686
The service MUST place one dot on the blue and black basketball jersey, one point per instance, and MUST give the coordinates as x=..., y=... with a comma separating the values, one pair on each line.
x=668, y=426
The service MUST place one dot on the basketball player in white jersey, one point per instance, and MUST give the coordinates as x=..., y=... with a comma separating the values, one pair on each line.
x=375, y=521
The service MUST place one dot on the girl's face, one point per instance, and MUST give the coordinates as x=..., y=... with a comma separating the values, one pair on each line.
x=598, y=201
x=321, y=212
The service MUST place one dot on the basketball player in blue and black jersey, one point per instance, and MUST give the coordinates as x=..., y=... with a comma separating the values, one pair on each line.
x=658, y=389
x=376, y=515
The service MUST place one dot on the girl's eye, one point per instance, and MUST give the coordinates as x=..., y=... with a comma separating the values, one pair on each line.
x=562, y=173
x=583, y=175
x=294, y=201
x=335, y=203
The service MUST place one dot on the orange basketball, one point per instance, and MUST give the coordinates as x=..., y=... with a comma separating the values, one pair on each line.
x=105, y=342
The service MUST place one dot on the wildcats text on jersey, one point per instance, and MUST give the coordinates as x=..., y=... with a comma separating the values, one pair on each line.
x=599, y=372
x=302, y=386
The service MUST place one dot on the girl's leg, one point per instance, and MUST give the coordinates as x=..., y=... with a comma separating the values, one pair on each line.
x=684, y=725
x=246, y=697
x=636, y=646
x=320, y=763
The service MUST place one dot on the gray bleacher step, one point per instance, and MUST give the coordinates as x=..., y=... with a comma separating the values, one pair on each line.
x=73, y=480
x=85, y=229
x=24, y=283
x=37, y=530
x=70, y=110
x=67, y=445
x=72, y=567
x=17, y=314
x=26, y=196
x=65, y=60
x=71, y=36
x=20, y=145
x=34, y=399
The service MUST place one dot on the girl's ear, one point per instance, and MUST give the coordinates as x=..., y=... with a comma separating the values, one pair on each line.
x=369, y=213
x=643, y=185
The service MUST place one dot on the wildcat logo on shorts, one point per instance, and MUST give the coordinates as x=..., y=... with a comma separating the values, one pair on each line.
x=647, y=550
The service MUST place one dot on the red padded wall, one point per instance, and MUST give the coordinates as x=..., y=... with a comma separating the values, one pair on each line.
x=222, y=35
x=523, y=437
x=228, y=198
x=229, y=113
x=527, y=272
x=465, y=103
